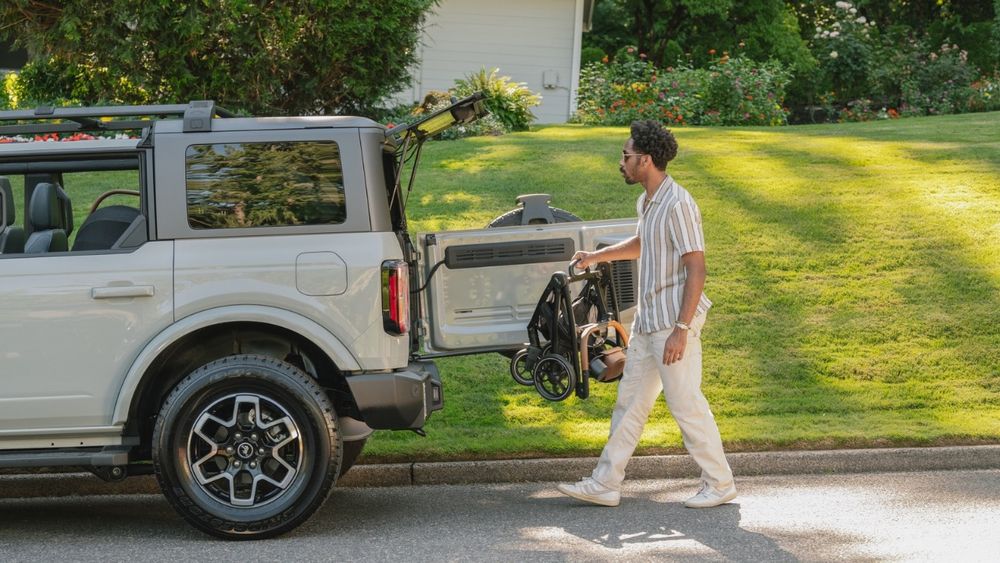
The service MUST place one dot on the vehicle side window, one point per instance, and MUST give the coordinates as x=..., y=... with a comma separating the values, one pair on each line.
x=240, y=185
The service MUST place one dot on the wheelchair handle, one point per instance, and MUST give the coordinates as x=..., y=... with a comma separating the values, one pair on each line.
x=575, y=277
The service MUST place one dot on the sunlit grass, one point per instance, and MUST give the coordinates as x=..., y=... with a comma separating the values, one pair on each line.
x=855, y=271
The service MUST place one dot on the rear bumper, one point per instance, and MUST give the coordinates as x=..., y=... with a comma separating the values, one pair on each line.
x=398, y=400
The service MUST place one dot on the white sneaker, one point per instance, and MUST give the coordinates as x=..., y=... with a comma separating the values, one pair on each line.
x=708, y=497
x=591, y=491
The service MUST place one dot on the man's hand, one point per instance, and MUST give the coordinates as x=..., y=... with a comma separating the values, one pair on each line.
x=586, y=259
x=673, y=350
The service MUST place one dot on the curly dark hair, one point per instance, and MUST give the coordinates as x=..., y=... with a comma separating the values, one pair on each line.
x=649, y=137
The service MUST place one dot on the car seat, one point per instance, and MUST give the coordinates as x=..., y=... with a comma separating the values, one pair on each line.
x=102, y=228
x=11, y=236
x=51, y=216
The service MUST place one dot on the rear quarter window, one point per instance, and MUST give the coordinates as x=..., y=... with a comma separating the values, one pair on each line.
x=241, y=185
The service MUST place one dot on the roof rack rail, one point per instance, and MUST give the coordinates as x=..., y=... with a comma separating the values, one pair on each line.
x=197, y=116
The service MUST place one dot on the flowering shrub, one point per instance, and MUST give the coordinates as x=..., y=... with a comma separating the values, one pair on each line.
x=865, y=110
x=985, y=94
x=731, y=91
x=921, y=80
x=739, y=91
x=867, y=74
x=938, y=82
x=844, y=45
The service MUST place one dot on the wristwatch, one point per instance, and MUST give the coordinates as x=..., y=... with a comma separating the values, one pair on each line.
x=682, y=325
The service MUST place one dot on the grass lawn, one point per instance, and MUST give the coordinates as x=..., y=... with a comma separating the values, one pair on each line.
x=855, y=271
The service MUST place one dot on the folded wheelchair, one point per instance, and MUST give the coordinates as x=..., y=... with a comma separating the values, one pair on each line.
x=573, y=341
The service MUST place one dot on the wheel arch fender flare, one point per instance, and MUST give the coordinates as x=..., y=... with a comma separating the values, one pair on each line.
x=326, y=341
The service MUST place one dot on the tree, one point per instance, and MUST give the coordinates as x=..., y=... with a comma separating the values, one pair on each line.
x=266, y=57
x=672, y=31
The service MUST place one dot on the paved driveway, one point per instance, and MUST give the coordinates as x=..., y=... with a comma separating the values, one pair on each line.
x=934, y=516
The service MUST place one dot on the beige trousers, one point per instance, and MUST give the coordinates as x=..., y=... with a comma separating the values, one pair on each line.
x=644, y=377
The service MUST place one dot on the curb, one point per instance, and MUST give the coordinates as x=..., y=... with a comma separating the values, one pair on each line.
x=881, y=460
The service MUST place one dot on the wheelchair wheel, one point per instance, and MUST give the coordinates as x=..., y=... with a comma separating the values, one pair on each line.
x=519, y=368
x=554, y=377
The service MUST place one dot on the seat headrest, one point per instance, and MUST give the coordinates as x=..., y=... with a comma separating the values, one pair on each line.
x=7, y=203
x=50, y=208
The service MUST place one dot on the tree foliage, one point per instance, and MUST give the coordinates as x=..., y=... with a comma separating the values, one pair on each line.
x=967, y=23
x=670, y=32
x=265, y=57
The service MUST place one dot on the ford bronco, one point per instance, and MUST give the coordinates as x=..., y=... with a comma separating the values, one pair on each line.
x=235, y=303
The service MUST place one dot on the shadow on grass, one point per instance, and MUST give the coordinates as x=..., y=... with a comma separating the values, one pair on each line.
x=944, y=286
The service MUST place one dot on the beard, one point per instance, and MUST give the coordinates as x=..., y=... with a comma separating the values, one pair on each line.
x=628, y=179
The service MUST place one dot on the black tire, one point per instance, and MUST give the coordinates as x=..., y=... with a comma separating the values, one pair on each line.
x=519, y=369
x=513, y=218
x=351, y=451
x=554, y=377
x=246, y=447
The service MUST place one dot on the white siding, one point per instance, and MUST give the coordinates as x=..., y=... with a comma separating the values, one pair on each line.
x=523, y=38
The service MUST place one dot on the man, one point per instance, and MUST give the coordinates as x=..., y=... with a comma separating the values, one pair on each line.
x=665, y=345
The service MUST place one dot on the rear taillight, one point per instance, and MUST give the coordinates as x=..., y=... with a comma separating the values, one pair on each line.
x=395, y=296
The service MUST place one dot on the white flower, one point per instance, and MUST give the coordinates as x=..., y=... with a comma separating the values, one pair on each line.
x=843, y=5
x=834, y=33
x=819, y=29
x=833, y=55
x=826, y=34
x=861, y=19
x=853, y=11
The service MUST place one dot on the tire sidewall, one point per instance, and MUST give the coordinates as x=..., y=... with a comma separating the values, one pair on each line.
x=514, y=217
x=279, y=383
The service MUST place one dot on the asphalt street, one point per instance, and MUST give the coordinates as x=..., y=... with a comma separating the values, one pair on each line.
x=920, y=516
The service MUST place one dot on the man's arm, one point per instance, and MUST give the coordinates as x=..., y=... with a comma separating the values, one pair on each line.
x=624, y=250
x=694, y=285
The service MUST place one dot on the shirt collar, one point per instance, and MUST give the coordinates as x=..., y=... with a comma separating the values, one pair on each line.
x=662, y=190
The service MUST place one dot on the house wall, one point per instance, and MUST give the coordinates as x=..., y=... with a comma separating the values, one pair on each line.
x=528, y=40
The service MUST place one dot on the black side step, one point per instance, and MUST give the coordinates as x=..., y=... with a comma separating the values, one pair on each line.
x=90, y=457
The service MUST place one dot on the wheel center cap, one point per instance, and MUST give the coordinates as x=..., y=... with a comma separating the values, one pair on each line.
x=245, y=450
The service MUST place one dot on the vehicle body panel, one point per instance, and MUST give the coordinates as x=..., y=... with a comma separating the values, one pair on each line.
x=262, y=271
x=64, y=350
x=489, y=306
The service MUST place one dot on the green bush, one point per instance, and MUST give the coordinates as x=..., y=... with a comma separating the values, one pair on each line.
x=591, y=55
x=939, y=82
x=732, y=91
x=739, y=91
x=920, y=80
x=985, y=94
x=509, y=102
x=8, y=95
x=54, y=81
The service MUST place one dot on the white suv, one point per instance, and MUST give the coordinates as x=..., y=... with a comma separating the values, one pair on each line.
x=234, y=311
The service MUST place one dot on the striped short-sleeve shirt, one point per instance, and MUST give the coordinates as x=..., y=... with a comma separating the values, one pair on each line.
x=669, y=227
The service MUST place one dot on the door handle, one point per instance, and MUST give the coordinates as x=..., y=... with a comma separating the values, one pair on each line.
x=112, y=292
